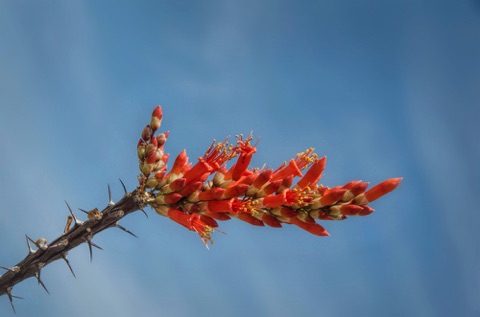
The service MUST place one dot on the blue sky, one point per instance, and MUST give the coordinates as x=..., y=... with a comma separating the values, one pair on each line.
x=383, y=88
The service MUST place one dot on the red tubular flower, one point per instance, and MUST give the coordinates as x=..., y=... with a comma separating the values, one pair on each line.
x=246, y=152
x=359, y=188
x=351, y=209
x=218, y=154
x=272, y=201
x=262, y=179
x=235, y=191
x=313, y=228
x=209, y=221
x=171, y=198
x=271, y=188
x=180, y=217
x=286, y=184
x=287, y=212
x=250, y=219
x=366, y=211
x=179, y=165
x=177, y=184
x=332, y=195
x=270, y=220
x=218, y=206
x=258, y=183
x=286, y=170
x=211, y=194
x=191, y=187
x=297, y=198
x=217, y=215
x=381, y=189
x=214, y=158
x=351, y=184
x=192, y=222
x=197, y=171
x=313, y=175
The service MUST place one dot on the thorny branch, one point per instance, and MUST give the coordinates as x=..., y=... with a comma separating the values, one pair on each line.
x=76, y=233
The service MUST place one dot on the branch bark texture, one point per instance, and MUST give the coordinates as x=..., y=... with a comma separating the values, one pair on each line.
x=76, y=233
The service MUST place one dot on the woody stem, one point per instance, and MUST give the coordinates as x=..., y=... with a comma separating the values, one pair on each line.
x=81, y=232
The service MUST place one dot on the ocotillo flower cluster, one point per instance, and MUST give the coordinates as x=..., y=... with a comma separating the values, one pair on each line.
x=197, y=195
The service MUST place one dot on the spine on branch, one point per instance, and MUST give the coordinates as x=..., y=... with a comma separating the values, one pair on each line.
x=76, y=232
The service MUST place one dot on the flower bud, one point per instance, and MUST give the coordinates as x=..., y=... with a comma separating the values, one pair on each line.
x=156, y=120
x=147, y=133
x=162, y=138
x=141, y=149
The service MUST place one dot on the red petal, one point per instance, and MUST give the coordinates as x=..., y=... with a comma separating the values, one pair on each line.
x=332, y=195
x=235, y=191
x=290, y=169
x=313, y=228
x=217, y=215
x=177, y=184
x=271, y=221
x=381, y=189
x=209, y=221
x=313, y=175
x=157, y=112
x=273, y=201
x=211, y=194
x=250, y=219
x=351, y=210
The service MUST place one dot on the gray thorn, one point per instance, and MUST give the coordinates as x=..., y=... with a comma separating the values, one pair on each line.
x=77, y=222
x=144, y=213
x=83, y=210
x=6, y=268
x=123, y=185
x=90, y=245
x=37, y=274
x=96, y=246
x=126, y=230
x=11, y=297
x=30, y=250
x=110, y=203
x=64, y=256
x=90, y=251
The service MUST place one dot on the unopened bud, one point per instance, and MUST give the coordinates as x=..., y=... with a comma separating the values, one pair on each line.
x=147, y=133
x=151, y=182
x=146, y=168
x=150, y=148
x=162, y=138
x=157, y=112
x=156, y=120
x=141, y=149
